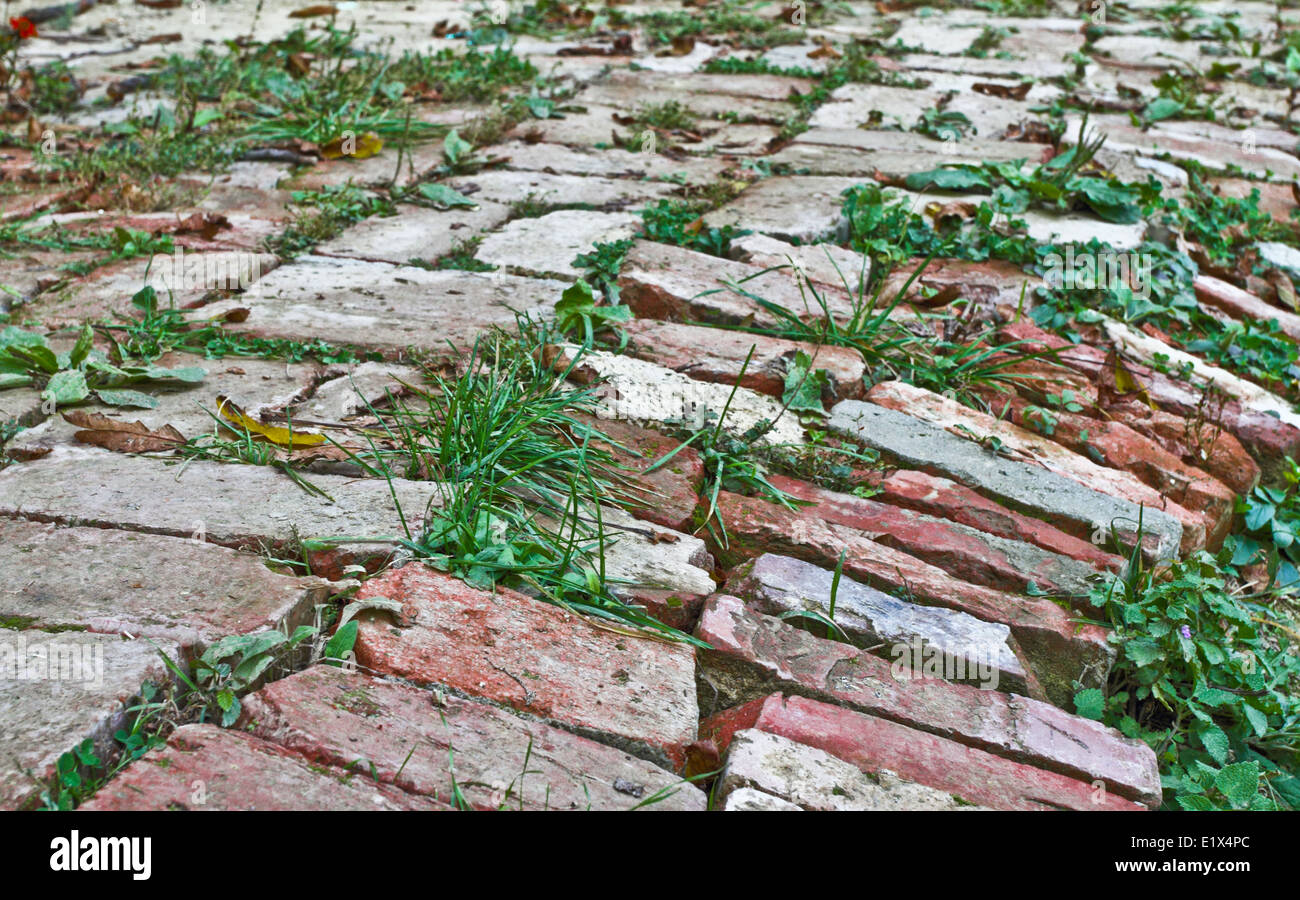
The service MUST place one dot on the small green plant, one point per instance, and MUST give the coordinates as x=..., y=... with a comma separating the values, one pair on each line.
x=944, y=124
x=577, y=311
x=1271, y=529
x=602, y=266
x=322, y=215
x=1204, y=676
x=675, y=222
x=26, y=360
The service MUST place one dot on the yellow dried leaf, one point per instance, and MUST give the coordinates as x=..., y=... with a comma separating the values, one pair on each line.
x=356, y=146
x=281, y=437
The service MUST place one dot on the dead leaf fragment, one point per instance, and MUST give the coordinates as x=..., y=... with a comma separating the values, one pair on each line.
x=320, y=9
x=359, y=146
x=1005, y=91
x=122, y=437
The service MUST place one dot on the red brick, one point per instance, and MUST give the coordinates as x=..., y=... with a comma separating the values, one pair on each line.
x=960, y=550
x=1118, y=446
x=1058, y=649
x=947, y=499
x=717, y=355
x=753, y=654
x=206, y=767
x=418, y=741
x=872, y=744
x=1242, y=304
x=633, y=693
x=670, y=491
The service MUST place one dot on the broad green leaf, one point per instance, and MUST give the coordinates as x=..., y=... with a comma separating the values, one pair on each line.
x=445, y=197
x=68, y=386
x=340, y=645
x=1161, y=108
x=948, y=179
x=135, y=399
x=1239, y=783
x=1090, y=703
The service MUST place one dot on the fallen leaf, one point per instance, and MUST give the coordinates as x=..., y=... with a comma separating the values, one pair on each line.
x=122, y=437
x=825, y=51
x=172, y=38
x=1115, y=380
x=1005, y=91
x=282, y=437
x=1284, y=289
x=360, y=146
x=682, y=45
x=664, y=537
x=159, y=4
x=204, y=224
x=298, y=64
x=308, y=12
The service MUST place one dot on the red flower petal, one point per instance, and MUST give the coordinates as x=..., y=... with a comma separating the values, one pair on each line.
x=23, y=26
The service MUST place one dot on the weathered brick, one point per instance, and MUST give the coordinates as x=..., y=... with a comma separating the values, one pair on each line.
x=981, y=651
x=632, y=693
x=1056, y=650
x=968, y=553
x=752, y=655
x=717, y=355
x=873, y=744
x=206, y=767
x=419, y=741
x=949, y=500
x=815, y=780
x=1029, y=446
x=1074, y=508
x=122, y=582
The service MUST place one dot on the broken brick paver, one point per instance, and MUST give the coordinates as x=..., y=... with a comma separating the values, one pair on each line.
x=206, y=767
x=145, y=585
x=632, y=693
x=419, y=741
x=815, y=780
x=872, y=744
x=752, y=655
x=968, y=553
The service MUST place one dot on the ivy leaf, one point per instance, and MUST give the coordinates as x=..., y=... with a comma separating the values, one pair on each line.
x=1161, y=108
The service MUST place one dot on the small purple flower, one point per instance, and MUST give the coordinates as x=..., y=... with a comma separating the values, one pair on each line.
x=1185, y=632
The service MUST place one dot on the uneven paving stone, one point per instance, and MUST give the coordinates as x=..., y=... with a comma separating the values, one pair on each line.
x=674, y=486
x=660, y=281
x=611, y=162
x=61, y=689
x=798, y=208
x=1251, y=396
x=105, y=294
x=120, y=582
x=872, y=744
x=1067, y=504
x=353, y=391
x=548, y=245
x=374, y=304
x=415, y=233
x=416, y=740
x=1216, y=444
x=976, y=651
x=815, y=780
x=718, y=355
x=857, y=152
x=237, y=506
x=968, y=553
x=634, y=694
x=508, y=186
x=987, y=283
x=641, y=392
x=1052, y=646
x=1216, y=154
x=745, y=799
x=204, y=767
x=826, y=265
x=1120, y=447
x=752, y=655
x=253, y=384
